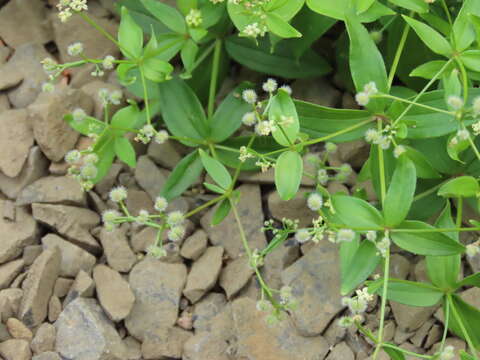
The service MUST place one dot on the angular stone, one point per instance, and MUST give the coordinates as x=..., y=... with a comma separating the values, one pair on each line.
x=33, y=19
x=149, y=176
x=341, y=352
x=278, y=260
x=30, y=253
x=165, y=343
x=235, y=276
x=134, y=348
x=83, y=286
x=399, y=266
x=143, y=239
x=15, y=349
x=165, y=155
x=34, y=168
x=53, y=134
x=72, y=222
x=74, y=258
x=38, y=287
x=226, y=234
x=206, y=309
x=116, y=249
x=315, y=283
x=55, y=190
x=157, y=288
x=18, y=330
x=44, y=339
x=85, y=333
x=48, y=355
x=9, y=271
x=16, y=142
x=139, y=200
x=54, y=308
x=257, y=340
x=113, y=293
x=295, y=208
x=62, y=286
x=4, y=335
x=410, y=318
x=10, y=302
x=195, y=245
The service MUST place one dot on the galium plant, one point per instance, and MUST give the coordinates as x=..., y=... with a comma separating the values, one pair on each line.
x=414, y=66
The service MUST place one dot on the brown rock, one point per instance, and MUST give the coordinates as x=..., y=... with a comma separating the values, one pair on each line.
x=195, y=245
x=92, y=89
x=54, y=308
x=55, y=190
x=44, y=339
x=165, y=155
x=62, y=286
x=235, y=276
x=292, y=209
x=30, y=253
x=206, y=309
x=116, y=249
x=341, y=352
x=165, y=343
x=10, y=302
x=9, y=271
x=83, y=286
x=410, y=318
x=48, y=355
x=18, y=330
x=38, y=287
x=149, y=176
x=15, y=349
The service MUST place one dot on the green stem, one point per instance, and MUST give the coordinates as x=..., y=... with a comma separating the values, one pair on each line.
x=407, y=352
x=204, y=206
x=429, y=191
x=214, y=77
x=459, y=212
x=462, y=326
x=381, y=165
x=474, y=147
x=386, y=96
x=445, y=324
x=398, y=55
x=243, y=237
x=145, y=94
x=464, y=79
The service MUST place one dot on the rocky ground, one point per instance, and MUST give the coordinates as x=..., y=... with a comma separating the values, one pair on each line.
x=70, y=290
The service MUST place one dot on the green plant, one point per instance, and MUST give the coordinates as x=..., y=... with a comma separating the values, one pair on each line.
x=420, y=116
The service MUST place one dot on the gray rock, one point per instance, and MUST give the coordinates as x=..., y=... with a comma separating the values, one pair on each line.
x=38, y=287
x=74, y=258
x=410, y=318
x=106, y=184
x=226, y=234
x=149, y=176
x=15, y=349
x=16, y=142
x=55, y=190
x=44, y=339
x=204, y=274
x=9, y=271
x=48, y=355
x=10, y=302
x=62, y=286
x=257, y=340
x=34, y=168
x=235, y=276
x=53, y=134
x=206, y=309
x=116, y=249
x=315, y=283
x=341, y=352
x=72, y=222
x=83, y=286
x=399, y=266
x=113, y=293
x=18, y=330
x=4, y=334
x=166, y=155
x=134, y=348
x=85, y=333
x=195, y=245
x=157, y=288
x=54, y=308
x=33, y=19
x=295, y=208
x=139, y=200
x=165, y=343
x=276, y=261
x=318, y=91
x=30, y=253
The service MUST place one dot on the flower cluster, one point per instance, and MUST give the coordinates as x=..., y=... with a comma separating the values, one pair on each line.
x=363, y=97
x=194, y=18
x=148, y=132
x=67, y=7
x=75, y=49
x=448, y=353
x=383, y=138
x=383, y=245
x=473, y=249
x=83, y=166
x=110, y=97
x=357, y=306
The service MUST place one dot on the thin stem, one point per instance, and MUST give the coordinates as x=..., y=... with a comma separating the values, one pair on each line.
x=474, y=147
x=214, y=77
x=459, y=212
x=464, y=79
x=445, y=324
x=407, y=352
x=145, y=94
x=243, y=237
x=204, y=206
x=386, y=96
x=462, y=326
x=381, y=164
x=429, y=191
x=398, y=55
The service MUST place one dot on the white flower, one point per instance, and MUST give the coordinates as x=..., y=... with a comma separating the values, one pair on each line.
x=75, y=49
x=89, y=171
x=448, y=353
x=345, y=322
x=118, y=194
x=346, y=169
x=362, y=98
x=48, y=87
x=287, y=89
x=156, y=251
x=194, y=18
x=472, y=250
x=399, y=150
x=476, y=128
x=115, y=97
x=249, y=118
x=270, y=85
x=176, y=233
x=161, y=137
x=161, y=204
x=455, y=102
x=175, y=218
x=358, y=305
x=91, y=158
x=345, y=235
x=143, y=217
x=72, y=156
x=78, y=5
x=108, y=62
x=371, y=235
x=476, y=106
x=49, y=65
x=463, y=134
x=330, y=147
x=249, y=96
x=364, y=294
x=302, y=236
x=372, y=135
x=384, y=142
x=244, y=154
x=109, y=216
x=370, y=88
x=252, y=30
x=64, y=15
x=315, y=201
x=322, y=176
x=104, y=95
x=79, y=114
x=264, y=128
x=383, y=246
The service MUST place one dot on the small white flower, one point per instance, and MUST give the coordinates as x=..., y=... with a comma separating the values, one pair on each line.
x=118, y=194
x=370, y=88
x=364, y=294
x=194, y=18
x=384, y=142
x=263, y=305
x=270, y=85
x=64, y=15
x=161, y=204
x=346, y=169
x=345, y=322
x=104, y=95
x=372, y=135
x=463, y=134
x=358, y=305
x=175, y=218
x=476, y=106
x=315, y=201
x=476, y=128
x=399, y=150
x=108, y=62
x=143, y=217
x=252, y=30
x=249, y=96
x=176, y=233
x=345, y=235
x=330, y=147
x=49, y=65
x=75, y=49
x=78, y=5
x=79, y=114
x=362, y=98
x=371, y=235
x=287, y=89
x=48, y=87
x=161, y=137
x=302, y=236
x=264, y=128
x=91, y=158
x=72, y=156
x=109, y=216
x=472, y=250
x=156, y=251
x=448, y=353
x=244, y=154
x=88, y=171
x=322, y=176
x=455, y=102
x=383, y=246
x=249, y=118
x=115, y=97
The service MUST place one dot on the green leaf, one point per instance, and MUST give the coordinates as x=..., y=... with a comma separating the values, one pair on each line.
x=364, y=5
x=424, y=169
x=187, y=171
x=125, y=151
x=394, y=353
x=182, y=112
x=419, y=6
x=400, y=192
x=412, y=293
x=189, y=54
x=354, y=212
x=221, y=212
x=216, y=170
x=336, y=9
x=228, y=116
x=469, y=316
x=471, y=59
x=280, y=27
x=214, y=188
x=282, y=107
x=106, y=155
x=167, y=15
x=157, y=70
x=288, y=174
x=443, y=270
x=124, y=119
x=366, y=62
x=88, y=125
x=185, y=5
x=282, y=62
x=465, y=356
x=422, y=240
x=360, y=267
x=429, y=69
x=463, y=29
x=430, y=37
x=455, y=149
x=472, y=280
x=130, y=36
x=286, y=9
x=463, y=186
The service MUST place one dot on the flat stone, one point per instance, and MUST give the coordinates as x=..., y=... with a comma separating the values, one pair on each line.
x=399, y=266
x=206, y=309
x=38, y=287
x=149, y=176
x=226, y=234
x=33, y=18
x=134, y=348
x=72, y=222
x=15, y=349
x=30, y=253
x=53, y=134
x=139, y=200
x=74, y=258
x=315, y=283
x=195, y=245
x=9, y=271
x=16, y=142
x=341, y=351
x=410, y=318
x=235, y=275
x=85, y=333
x=18, y=330
x=204, y=274
x=48, y=355
x=62, y=286
x=83, y=286
x=165, y=155
x=117, y=250
x=44, y=339
x=10, y=302
x=165, y=343
x=33, y=169
x=54, y=190
x=113, y=293
x=54, y=308
x=278, y=260
x=295, y=208
x=157, y=287
x=257, y=340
